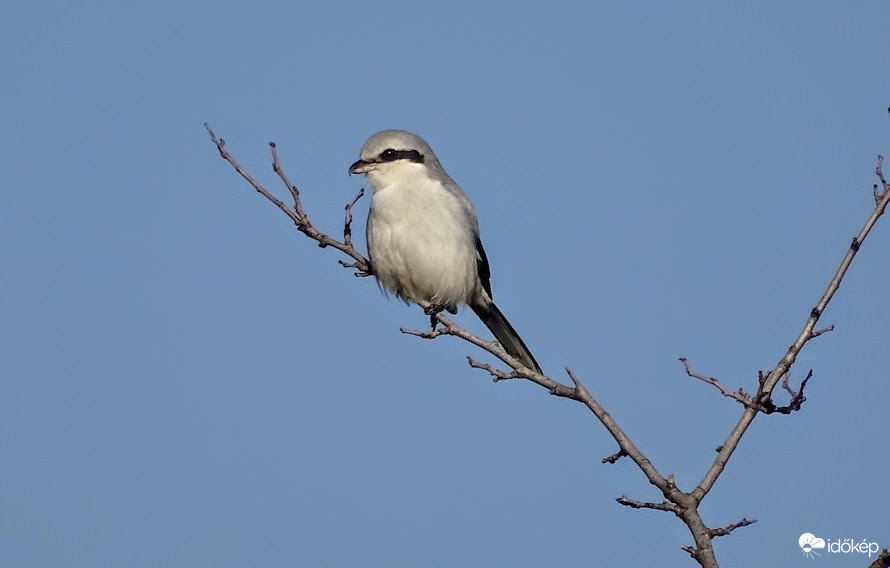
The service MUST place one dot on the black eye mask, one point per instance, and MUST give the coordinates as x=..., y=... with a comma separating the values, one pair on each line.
x=391, y=155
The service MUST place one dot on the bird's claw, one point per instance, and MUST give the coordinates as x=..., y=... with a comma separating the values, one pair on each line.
x=433, y=311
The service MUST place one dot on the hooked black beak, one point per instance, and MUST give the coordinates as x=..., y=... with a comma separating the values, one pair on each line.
x=360, y=167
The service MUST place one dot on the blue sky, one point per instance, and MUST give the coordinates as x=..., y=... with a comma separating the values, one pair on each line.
x=186, y=381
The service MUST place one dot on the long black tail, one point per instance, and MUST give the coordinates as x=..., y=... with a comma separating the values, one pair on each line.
x=495, y=321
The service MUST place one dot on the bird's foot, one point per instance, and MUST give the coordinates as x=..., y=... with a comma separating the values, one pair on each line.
x=433, y=310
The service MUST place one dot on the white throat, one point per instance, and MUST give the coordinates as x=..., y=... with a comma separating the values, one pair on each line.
x=398, y=173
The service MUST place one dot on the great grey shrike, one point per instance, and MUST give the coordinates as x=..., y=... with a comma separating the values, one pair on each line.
x=423, y=235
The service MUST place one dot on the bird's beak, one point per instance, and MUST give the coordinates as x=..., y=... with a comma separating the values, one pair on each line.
x=361, y=167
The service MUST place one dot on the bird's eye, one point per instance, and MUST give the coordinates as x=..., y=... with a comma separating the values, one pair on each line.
x=389, y=154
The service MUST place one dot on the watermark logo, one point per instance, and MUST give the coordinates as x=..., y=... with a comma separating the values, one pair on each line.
x=810, y=544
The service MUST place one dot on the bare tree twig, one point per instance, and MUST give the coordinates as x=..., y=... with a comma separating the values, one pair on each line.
x=797, y=397
x=448, y=327
x=634, y=504
x=221, y=146
x=692, y=552
x=432, y=334
x=579, y=393
x=738, y=396
x=614, y=457
x=347, y=223
x=786, y=384
x=294, y=192
x=771, y=380
x=297, y=215
x=819, y=332
x=723, y=531
x=497, y=374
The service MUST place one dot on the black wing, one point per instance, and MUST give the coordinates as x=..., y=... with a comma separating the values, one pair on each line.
x=482, y=267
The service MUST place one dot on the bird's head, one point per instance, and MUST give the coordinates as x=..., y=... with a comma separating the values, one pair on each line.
x=394, y=155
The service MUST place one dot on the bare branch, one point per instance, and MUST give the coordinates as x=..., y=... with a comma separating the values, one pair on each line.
x=786, y=378
x=497, y=374
x=425, y=334
x=819, y=332
x=448, y=327
x=614, y=457
x=574, y=379
x=772, y=379
x=294, y=192
x=221, y=146
x=634, y=504
x=797, y=397
x=723, y=531
x=691, y=550
x=738, y=396
x=576, y=392
x=297, y=215
x=885, y=187
x=347, y=223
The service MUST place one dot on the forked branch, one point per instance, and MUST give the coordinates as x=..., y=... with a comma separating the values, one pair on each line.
x=297, y=215
x=771, y=380
x=683, y=504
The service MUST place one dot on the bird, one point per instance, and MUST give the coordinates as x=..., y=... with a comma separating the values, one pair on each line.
x=423, y=235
